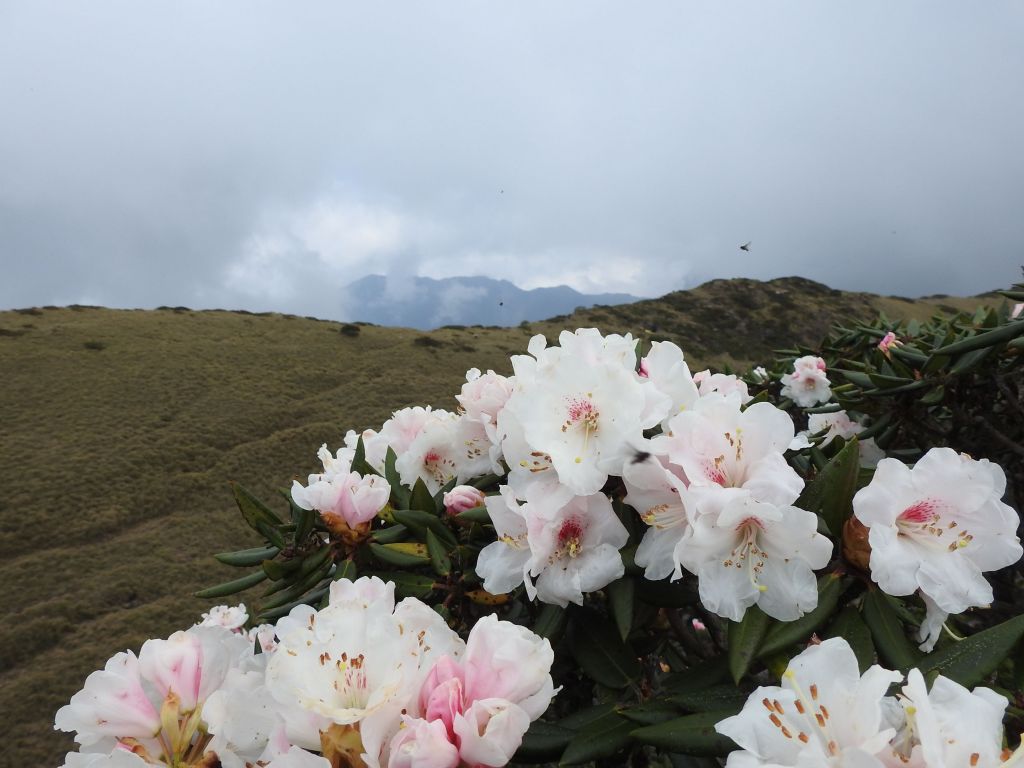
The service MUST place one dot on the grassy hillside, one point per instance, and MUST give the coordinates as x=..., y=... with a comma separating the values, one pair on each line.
x=120, y=431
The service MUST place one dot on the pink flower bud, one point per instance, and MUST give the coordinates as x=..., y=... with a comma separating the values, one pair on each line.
x=463, y=497
x=422, y=744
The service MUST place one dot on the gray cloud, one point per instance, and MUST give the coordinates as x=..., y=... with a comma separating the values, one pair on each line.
x=262, y=155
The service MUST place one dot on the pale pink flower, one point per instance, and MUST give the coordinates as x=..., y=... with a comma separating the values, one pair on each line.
x=191, y=664
x=463, y=497
x=808, y=384
x=423, y=744
x=404, y=426
x=722, y=383
x=340, y=494
x=485, y=701
x=669, y=374
x=889, y=340
x=484, y=395
x=112, y=703
x=232, y=618
x=937, y=528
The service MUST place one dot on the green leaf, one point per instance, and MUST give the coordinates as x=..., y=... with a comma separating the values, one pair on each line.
x=861, y=380
x=390, y=535
x=972, y=659
x=887, y=631
x=421, y=498
x=346, y=570
x=420, y=522
x=651, y=712
x=600, y=652
x=697, y=678
x=303, y=525
x=253, y=510
x=1000, y=335
x=475, y=515
x=830, y=493
x=439, y=559
x=620, y=603
x=550, y=622
x=689, y=735
x=788, y=633
x=713, y=699
x=232, y=587
x=404, y=555
x=850, y=626
x=970, y=360
x=542, y=743
x=399, y=493
x=247, y=557
x=271, y=533
x=408, y=584
x=745, y=638
x=601, y=738
x=359, y=463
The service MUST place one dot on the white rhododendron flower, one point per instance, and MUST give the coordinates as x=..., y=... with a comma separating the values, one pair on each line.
x=666, y=369
x=824, y=714
x=358, y=661
x=505, y=563
x=808, y=384
x=748, y=552
x=839, y=424
x=574, y=546
x=951, y=726
x=226, y=616
x=297, y=757
x=657, y=491
x=718, y=445
x=580, y=410
x=435, y=455
x=341, y=495
x=722, y=383
x=937, y=528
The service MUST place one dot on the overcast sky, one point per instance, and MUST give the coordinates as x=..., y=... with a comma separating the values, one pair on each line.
x=261, y=155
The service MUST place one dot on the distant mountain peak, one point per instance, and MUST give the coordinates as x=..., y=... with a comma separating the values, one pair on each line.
x=426, y=302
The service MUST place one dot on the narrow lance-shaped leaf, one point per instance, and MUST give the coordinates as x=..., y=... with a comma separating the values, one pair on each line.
x=745, y=638
x=233, y=587
x=620, y=603
x=600, y=652
x=439, y=559
x=689, y=735
x=601, y=738
x=247, y=557
x=887, y=631
x=830, y=494
x=971, y=660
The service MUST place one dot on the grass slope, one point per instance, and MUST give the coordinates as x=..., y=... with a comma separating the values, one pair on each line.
x=120, y=431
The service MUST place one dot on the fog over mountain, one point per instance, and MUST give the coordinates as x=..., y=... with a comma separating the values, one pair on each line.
x=422, y=302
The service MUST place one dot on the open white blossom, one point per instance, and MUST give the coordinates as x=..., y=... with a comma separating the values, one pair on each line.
x=579, y=409
x=839, y=424
x=342, y=497
x=226, y=616
x=505, y=563
x=657, y=491
x=719, y=445
x=668, y=372
x=951, y=726
x=745, y=552
x=824, y=714
x=937, y=528
x=574, y=547
x=808, y=384
x=357, y=661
